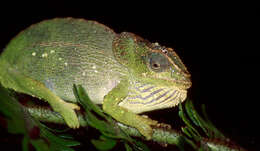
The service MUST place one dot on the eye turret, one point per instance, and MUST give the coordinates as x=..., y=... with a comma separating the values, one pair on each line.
x=158, y=62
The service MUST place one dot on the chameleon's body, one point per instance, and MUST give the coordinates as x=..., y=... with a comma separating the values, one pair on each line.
x=125, y=73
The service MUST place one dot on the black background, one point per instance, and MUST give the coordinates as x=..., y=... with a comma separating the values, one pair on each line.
x=217, y=43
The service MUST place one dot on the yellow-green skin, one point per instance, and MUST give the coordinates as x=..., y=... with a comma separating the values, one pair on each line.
x=123, y=72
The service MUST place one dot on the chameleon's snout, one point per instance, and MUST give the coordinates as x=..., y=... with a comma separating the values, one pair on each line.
x=187, y=84
x=179, y=72
x=182, y=78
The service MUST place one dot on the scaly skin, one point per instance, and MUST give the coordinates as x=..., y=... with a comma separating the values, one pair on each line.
x=125, y=73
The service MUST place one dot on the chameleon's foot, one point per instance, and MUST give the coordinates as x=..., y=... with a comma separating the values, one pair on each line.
x=163, y=125
x=145, y=127
x=70, y=115
x=149, y=121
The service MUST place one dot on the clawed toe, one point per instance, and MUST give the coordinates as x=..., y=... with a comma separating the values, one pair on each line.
x=73, y=106
x=70, y=115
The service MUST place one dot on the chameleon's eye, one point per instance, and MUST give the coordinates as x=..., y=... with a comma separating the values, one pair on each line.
x=156, y=65
x=158, y=62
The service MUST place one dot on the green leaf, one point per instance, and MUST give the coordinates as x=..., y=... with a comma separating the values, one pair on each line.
x=40, y=145
x=25, y=143
x=194, y=116
x=191, y=114
x=19, y=121
x=85, y=101
x=102, y=126
x=13, y=112
x=139, y=146
x=202, y=123
x=127, y=147
x=104, y=143
x=217, y=133
x=186, y=131
x=191, y=129
x=106, y=125
x=58, y=140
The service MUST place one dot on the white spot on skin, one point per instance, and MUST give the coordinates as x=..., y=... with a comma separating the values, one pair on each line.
x=66, y=64
x=60, y=59
x=94, y=67
x=96, y=71
x=52, y=51
x=34, y=54
x=144, y=74
x=44, y=55
x=84, y=73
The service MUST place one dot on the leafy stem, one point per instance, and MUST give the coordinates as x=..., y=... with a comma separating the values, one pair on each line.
x=198, y=132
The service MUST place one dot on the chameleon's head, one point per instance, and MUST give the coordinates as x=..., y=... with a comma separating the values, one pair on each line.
x=164, y=64
x=151, y=62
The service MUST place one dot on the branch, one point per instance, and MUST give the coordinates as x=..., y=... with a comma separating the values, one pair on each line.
x=160, y=135
x=19, y=121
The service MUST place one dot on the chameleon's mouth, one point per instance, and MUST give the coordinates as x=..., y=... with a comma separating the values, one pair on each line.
x=183, y=84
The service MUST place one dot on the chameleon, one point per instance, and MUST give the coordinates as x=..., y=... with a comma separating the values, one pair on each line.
x=126, y=74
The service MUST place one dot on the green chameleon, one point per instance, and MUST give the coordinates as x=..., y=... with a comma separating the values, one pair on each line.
x=125, y=73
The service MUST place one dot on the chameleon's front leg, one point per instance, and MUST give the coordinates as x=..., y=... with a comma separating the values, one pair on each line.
x=110, y=106
x=20, y=83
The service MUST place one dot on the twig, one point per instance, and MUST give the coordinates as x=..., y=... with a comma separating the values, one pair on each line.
x=160, y=135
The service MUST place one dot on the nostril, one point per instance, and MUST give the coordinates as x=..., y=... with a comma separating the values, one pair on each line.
x=188, y=75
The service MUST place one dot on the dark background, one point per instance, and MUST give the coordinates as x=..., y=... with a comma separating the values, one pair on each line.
x=218, y=44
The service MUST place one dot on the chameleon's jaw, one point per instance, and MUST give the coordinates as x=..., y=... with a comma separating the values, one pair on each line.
x=182, y=84
x=145, y=96
x=185, y=82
